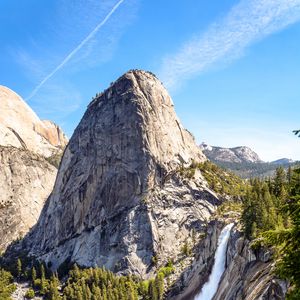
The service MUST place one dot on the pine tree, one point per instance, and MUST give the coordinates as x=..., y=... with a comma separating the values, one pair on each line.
x=279, y=182
x=6, y=285
x=289, y=175
x=159, y=283
x=88, y=294
x=152, y=290
x=44, y=282
x=288, y=240
x=104, y=293
x=19, y=268
x=33, y=275
x=270, y=218
x=53, y=293
x=96, y=293
x=79, y=295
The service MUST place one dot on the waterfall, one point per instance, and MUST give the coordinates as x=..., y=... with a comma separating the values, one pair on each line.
x=210, y=287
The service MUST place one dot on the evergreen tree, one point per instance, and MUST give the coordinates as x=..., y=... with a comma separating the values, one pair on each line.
x=152, y=290
x=159, y=284
x=33, y=275
x=53, y=293
x=19, y=268
x=44, y=282
x=6, y=285
x=96, y=292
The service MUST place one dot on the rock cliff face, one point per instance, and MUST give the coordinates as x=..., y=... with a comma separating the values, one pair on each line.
x=20, y=127
x=26, y=181
x=26, y=178
x=193, y=277
x=118, y=200
x=249, y=274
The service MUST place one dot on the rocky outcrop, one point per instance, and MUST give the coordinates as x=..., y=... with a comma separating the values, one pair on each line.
x=118, y=200
x=20, y=127
x=26, y=180
x=249, y=274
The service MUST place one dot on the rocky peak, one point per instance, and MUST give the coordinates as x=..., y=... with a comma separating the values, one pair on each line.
x=118, y=200
x=140, y=98
x=241, y=154
x=20, y=126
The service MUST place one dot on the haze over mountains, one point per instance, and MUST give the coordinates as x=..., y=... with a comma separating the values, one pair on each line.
x=244, y=161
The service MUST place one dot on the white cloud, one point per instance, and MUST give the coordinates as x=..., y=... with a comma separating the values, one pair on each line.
x=225, y=40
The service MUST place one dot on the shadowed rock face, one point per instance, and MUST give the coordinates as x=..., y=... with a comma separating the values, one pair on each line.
x=118, y=200
x=26, y=181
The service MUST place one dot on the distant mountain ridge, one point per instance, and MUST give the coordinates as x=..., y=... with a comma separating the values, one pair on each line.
x=243, y=161
x=241, y=154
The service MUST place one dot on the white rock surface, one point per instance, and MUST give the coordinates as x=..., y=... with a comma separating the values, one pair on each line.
x=20, y=126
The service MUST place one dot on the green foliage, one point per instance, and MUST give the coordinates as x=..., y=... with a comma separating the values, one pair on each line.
x=6, y=285
x=186, y=249
x=287, y=240
x=272, y=212
x=100, y=284
x=30, y=294
x=221, y=181
x=262, y=205
x=19, y=267
x=33, y=274
x=154, y=260
x=230, y=206
x=167, y=270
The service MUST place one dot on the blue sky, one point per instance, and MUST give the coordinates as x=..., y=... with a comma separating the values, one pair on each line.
x=232, y=67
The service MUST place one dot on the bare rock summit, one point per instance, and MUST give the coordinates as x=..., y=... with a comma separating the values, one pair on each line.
x=119, y=200
x=241, y=154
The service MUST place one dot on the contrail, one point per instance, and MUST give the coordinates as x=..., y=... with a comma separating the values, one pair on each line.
x=71, y=54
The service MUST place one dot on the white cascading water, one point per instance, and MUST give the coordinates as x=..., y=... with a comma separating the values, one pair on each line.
x=210, y=287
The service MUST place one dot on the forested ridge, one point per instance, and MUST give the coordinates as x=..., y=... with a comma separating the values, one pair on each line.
x=271, y=217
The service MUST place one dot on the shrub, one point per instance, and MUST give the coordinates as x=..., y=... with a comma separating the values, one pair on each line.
x=30, y=294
